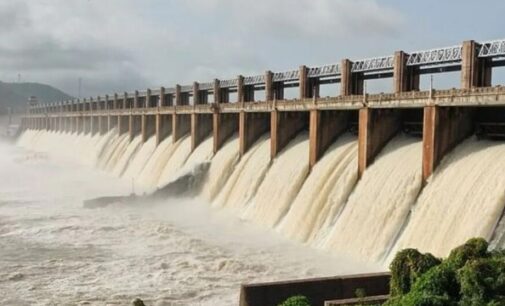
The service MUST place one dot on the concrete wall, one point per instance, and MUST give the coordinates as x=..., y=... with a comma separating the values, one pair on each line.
x=148, y=126
x=181, y=125
x=201, y=127
x=284, y=126
x=376, y=128
x=224, y=126
x=251, y=127
x=325, y=127
x=163, y=127
x=316, y=290
x=443, y=129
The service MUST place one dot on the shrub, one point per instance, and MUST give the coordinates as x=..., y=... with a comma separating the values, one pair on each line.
x=297, y=300
x=407, y=266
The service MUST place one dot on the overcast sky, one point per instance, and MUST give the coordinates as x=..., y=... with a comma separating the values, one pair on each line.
x=122, y=45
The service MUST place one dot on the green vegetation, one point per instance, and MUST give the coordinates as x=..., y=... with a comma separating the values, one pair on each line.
x=298, y=300
x=471, y=275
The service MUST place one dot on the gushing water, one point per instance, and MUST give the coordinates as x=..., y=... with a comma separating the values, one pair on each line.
x=378, y=207
x=321, y=192
x=464, y=198
x=281, y=184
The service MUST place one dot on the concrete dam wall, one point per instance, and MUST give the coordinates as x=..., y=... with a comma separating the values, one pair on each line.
x=357, y=174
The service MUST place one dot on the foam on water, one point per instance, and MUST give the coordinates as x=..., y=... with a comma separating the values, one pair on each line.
x=281, y=183
x=319, y=192
x=379, y=206
x=464, y=198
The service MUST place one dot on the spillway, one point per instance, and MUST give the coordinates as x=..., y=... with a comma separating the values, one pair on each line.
x=328, y=207
x=464, y=198
x=326, y=189
x=377, y=208
x=281, y=184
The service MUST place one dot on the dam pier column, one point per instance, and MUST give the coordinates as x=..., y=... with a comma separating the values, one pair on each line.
x=224, y=124
x=475, y=71
x=284, y=126
x=163, y=123
x=201, y=127
x=376, y=128
x=181, y=125
x=443, y=129
x=405, y=78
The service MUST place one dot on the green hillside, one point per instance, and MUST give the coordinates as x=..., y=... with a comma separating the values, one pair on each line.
x=16, y=95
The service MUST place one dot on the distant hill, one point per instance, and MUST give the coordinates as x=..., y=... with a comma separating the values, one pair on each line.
x=16, y=95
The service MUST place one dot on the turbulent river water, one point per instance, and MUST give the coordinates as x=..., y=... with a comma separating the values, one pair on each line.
x=251, y=219
x=178, y=252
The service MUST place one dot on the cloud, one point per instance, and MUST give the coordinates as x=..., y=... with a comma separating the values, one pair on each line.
x=119, y=45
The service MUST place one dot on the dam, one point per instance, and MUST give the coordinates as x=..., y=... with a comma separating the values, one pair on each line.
x=356, y=174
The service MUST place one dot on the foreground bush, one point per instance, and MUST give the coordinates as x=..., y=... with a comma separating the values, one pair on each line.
x=471, y=275
x=298, y=300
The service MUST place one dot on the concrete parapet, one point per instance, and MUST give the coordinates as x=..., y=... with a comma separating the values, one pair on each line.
x=443, y=129
x=376, y=128
x=317, y=290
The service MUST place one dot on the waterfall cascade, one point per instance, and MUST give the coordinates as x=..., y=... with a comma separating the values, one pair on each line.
x=326, y=207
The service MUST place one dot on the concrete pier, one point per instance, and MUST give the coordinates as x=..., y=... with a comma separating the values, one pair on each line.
x=376, y=128
x=443, y=129
x=251, y=127
x=224, y=126
x=284, y=126
x=325, y=127
x=181, y=125
x=201, y=127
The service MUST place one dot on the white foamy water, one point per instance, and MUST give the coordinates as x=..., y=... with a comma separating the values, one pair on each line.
x=176, y=161
x=221, y=168
x=246, y=177
x=318, y=195
x=281, y=183
x=464, y=198
x=378, y=207
x=178, y=252
x=188, y=253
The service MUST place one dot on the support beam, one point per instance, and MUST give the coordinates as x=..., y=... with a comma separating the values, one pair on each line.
x=284, y=126
x=224, y=126
x=475, y=72
x=181, y=125
x=376, y=128
x=405, y=78
x=309, y=88
x=201, y=127
x=443, y=129
x=325, y=127
x=251, y=127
